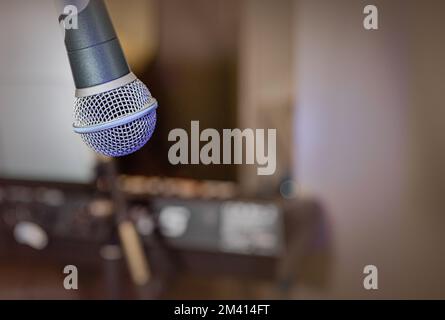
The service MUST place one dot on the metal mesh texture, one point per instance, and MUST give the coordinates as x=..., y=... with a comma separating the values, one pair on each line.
x=115, y=104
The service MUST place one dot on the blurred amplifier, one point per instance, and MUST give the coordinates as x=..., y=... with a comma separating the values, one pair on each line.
x=232, y=226
x=232, y=237
x=189, y=230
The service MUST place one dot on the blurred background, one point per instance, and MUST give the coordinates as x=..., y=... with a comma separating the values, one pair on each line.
x=360, y=147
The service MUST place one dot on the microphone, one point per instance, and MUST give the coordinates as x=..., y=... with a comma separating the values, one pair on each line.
x=114, y=112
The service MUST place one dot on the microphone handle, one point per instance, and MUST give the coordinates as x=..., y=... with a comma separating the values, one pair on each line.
x=94, y=51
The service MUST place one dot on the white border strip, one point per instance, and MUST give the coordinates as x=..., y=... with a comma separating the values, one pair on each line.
x=104, y=87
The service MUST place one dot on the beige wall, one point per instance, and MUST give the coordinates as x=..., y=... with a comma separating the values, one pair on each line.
x=370, y=142
x=36, y=97
x=266, y=83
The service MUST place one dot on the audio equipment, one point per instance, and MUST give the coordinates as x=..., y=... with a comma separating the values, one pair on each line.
x=78, y=213
x=188, y=231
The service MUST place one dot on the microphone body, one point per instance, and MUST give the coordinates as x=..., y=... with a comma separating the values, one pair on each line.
x=114, y=111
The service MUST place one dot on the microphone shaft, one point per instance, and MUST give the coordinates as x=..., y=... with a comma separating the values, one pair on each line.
x=94, y=51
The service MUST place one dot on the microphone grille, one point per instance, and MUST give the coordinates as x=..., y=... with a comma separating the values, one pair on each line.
x=114, y=123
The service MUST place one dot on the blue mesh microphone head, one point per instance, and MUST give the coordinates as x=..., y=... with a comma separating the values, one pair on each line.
x=116, y=122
